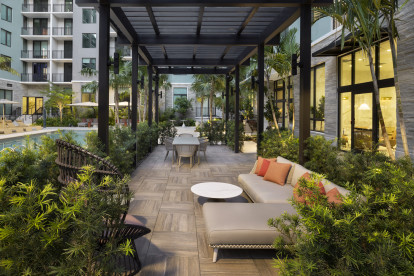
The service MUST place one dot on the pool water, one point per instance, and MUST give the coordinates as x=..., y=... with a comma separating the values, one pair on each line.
x=78, y=135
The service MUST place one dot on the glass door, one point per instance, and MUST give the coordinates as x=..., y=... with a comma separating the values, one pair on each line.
x=68, y=26
x=40, y=49
x=40, y=26
x=363, y=132
x=346, y=121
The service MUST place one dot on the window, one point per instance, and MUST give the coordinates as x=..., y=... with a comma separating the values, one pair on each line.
x=318, y=98
x=179, y=92
x=6, y=64
x=6, y=13
x=88, y=40
x=32, y=105
x=89, y=63
x=88, y=16
x=6, y=94
x=5, y=37
x=358, y=124
x=284, y=100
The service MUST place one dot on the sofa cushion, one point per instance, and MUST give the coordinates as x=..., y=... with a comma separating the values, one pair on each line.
x=334, y=196
x=297, y=173
x=262, y=191
x=242, y=223
x=264, y=167
x=254, y=167
x=277, y=173
x=280, y=159
x=306, y=192
x=260, y=162
x=329, y=186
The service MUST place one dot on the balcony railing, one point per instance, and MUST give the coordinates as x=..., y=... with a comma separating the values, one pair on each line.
x=63, y=7
x=35, y=31
x=62, y=31
x=205, y=112
x=61, y=54
x=61, y=77
x=35, y=77
x=35, y=8
x=38, y=54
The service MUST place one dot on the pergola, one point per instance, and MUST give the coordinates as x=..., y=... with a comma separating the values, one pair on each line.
x=201, y=37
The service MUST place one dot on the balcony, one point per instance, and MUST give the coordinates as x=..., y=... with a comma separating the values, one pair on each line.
x=61, y=77
x=61, y=54
x=63, y=7
x=35, y=54
x=62, y=31
x=36, y=10
x=34, y=78
x=35, y=33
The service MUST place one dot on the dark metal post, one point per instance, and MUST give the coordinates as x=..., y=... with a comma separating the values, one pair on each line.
x=149, y=95
x=305, y=60
x=237, y=113
x=260, y=94
x=44, y=116
x=156, y=97
x=227, y=103
x=103, y=101
x=134, y=87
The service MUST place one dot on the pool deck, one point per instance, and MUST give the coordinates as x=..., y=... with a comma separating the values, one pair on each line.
x=163, y=201
x=42, y=131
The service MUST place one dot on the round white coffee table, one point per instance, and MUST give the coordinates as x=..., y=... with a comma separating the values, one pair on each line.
x=216, y=190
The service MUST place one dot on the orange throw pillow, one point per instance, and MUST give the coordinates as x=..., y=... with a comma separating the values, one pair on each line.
x=305, y=192
x=260, y=162
x=277, y=172
x=265, y=166
x=334, y=196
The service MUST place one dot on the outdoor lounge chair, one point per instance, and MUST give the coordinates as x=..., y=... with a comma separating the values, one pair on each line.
x=70, y=160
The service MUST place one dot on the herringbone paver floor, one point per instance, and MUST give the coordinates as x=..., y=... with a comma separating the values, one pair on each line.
x=163, y=201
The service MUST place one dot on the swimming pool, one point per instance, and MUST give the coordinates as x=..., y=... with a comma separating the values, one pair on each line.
x=79, y=136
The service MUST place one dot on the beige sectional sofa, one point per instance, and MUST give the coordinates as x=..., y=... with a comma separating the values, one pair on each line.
x=244, y=225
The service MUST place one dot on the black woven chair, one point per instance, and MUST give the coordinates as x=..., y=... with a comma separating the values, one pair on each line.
x=71, y=159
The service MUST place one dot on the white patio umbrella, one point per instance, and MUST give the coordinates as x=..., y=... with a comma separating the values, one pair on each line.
x=84, y=104
x=4, y=102
x=122, y=104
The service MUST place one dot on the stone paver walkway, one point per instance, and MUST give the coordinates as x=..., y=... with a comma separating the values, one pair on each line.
x=163, y=201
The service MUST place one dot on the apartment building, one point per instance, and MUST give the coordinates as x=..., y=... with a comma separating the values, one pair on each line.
x=48, y=41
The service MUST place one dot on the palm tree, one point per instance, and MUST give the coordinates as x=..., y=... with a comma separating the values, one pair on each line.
x=5, y=65
x=120, y=81
x=212, y=84
x=201, y=88
x=389, y=8
x=287, y=47
x=363, y=20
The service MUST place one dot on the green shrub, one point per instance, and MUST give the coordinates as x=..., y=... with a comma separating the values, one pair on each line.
x=121, y=147
x=190, y=122
x=231, y=134
x=168, y=114
x=286, y=146
x=35, y=162
x=45, y=231
x=182, y=106
x=68, y=120
x=147, y=138
x=167, y=129
x=213, y=130
x=369, y=235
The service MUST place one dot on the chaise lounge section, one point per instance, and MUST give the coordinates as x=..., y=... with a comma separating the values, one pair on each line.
x=244, y=225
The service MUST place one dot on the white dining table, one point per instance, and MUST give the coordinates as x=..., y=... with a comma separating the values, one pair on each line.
x=187, y=141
